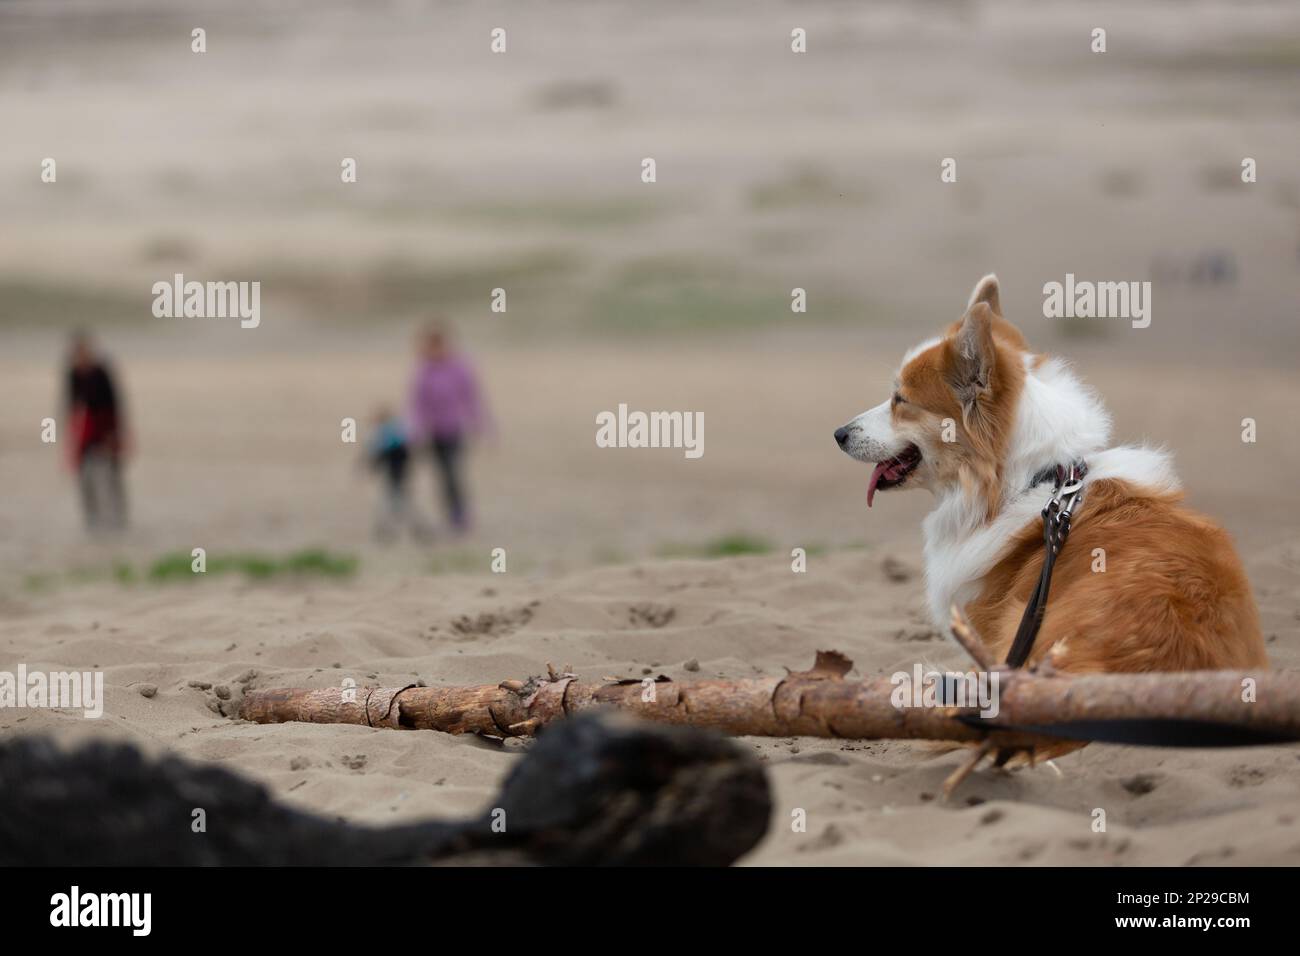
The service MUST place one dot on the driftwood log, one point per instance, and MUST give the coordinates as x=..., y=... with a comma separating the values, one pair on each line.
x=598, y=790
x=1034, y=708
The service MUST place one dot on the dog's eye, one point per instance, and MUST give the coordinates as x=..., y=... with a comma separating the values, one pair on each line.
x=898, y=400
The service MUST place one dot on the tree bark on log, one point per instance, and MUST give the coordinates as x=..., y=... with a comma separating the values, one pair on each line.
x=814, y=703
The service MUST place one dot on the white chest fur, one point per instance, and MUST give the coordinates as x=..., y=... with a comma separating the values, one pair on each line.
x=959, y=552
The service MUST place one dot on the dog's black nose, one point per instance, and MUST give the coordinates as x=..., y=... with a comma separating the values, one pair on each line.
x=841, y=436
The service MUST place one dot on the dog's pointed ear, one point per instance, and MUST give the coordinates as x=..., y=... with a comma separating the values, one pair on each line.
x=986, y=291
x=971, y=356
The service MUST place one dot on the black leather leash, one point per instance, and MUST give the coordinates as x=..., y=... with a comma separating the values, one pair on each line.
x=1149, y=732
x=1066, y=496
x=1140, y=732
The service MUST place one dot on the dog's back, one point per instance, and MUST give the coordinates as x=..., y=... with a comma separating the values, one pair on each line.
x=1143, y=584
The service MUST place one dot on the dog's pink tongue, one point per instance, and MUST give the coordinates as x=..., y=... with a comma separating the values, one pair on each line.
x=876, y=475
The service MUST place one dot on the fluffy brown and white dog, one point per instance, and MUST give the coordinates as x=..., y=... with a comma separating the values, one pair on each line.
x=983, y=423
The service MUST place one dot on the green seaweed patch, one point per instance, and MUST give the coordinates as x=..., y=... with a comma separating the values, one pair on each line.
x=256, y=566
x=726, y=546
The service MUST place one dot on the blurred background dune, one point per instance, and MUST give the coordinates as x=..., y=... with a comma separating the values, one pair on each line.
x=521, y=171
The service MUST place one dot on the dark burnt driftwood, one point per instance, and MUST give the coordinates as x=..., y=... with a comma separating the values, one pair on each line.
x=599, y=789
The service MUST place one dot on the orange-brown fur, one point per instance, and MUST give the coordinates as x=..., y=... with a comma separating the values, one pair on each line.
x=1173, y=595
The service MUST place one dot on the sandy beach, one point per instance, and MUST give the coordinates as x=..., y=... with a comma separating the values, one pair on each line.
x=593, y=580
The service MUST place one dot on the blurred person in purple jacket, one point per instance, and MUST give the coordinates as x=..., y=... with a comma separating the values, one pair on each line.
x=445, y=409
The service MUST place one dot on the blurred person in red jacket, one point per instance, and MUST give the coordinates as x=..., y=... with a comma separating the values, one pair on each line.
x=96, y=424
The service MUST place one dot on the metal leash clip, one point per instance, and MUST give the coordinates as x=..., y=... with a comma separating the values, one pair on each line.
x=1066, y=496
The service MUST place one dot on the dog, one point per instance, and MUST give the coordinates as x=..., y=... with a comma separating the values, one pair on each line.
x=989, y=427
